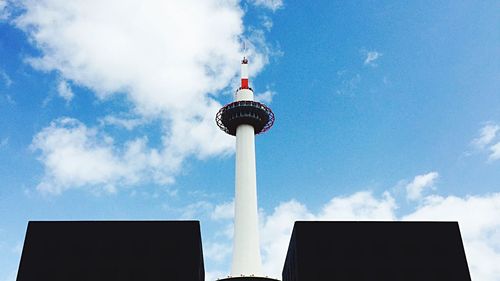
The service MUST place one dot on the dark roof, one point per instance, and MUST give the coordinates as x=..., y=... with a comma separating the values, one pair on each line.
x=389, y=251
x=112, y=250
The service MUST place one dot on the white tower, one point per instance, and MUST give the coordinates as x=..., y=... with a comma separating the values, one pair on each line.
x=245, y=118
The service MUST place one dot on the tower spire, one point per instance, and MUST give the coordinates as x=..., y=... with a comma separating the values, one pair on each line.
x=245, y=118
x=244, y=73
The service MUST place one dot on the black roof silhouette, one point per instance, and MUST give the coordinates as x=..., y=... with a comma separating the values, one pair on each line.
x=112, y=251
x=371, y=251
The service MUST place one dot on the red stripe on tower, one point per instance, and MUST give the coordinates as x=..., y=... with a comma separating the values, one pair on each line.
x=244, y=83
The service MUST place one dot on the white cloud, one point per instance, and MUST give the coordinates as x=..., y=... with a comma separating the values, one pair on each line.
x=168, y=58
x=165, y=55
x=479, y=221
x=495, y=151
x=361, y=205
x=486, y=141
x=75, y=156
x=223, y=211
x=477, y=216
x=196, y=210
x=267, y=23
x=217, y=247
x=486, y=135
x=7, y=81
x=265, y=97
x=277, y=227
x=127, y=123
x=270, y=4
x=371, y=57
x=275, y=234
x=4, y=14
x=416, y=187
x=64, y=91
x=217, y=252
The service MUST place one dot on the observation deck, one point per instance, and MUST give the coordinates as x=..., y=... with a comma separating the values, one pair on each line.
x=252, y=113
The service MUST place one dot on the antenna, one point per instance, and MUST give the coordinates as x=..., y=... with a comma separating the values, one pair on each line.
x=245, y=49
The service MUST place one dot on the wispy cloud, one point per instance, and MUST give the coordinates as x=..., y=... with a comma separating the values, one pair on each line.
x=4, y=13
x=486, y=141
x=415, y=188
x=495, y=151
x=486, y=135
x=7, y=81
x=64, y=91
x=196, y=210
x=265, y=97
x=371, y=57
x=223, y=211
x=127, y=123
x=217, y=252
x=267, y=22
x=269, y=4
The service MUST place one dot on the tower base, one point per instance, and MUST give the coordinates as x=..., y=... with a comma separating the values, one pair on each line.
x=247, y=278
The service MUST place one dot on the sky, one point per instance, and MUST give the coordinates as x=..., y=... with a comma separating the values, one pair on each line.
x=385, y=110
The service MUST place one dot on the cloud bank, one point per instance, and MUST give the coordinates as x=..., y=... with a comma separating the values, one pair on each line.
x=76, y=156
x=169, y=59
x=477, y=217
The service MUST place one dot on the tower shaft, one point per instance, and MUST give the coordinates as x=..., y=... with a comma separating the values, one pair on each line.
x=246, y=248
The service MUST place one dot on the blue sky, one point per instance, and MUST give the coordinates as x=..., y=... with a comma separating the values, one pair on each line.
x=384, y=111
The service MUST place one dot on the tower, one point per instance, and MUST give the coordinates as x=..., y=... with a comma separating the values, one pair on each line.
x=245, y=118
